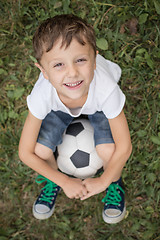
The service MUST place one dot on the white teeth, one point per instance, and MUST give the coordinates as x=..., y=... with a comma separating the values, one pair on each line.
x=73, y=84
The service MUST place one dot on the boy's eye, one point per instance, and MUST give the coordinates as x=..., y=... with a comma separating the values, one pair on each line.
x=58, y=65
x=81, y=60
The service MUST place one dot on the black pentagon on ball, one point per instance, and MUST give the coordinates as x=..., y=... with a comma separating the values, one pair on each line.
x=80, y=159
x=74, y=129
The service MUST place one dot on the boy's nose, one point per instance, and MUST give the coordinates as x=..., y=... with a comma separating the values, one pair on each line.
x=72, y=71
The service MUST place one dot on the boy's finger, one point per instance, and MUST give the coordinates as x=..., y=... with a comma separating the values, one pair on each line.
x=86, y=196
x=84, y=191
x=83, y=182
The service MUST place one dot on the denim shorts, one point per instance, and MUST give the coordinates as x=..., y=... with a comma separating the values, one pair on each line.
x=55, y=123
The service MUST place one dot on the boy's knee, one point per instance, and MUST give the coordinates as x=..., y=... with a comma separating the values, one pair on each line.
x=105, y=151
x=43, y=151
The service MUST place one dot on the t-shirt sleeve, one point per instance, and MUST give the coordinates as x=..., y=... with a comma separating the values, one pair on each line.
x=37, y=106
x=110, y=69
x=114, y=104
x=39, y=101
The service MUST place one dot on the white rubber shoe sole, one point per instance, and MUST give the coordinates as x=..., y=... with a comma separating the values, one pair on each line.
x=42, y=215
x=113, y=216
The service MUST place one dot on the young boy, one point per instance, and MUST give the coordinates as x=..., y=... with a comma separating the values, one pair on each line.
x=75, y=80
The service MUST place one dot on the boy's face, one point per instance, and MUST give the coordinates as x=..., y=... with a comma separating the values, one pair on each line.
x=69, y=70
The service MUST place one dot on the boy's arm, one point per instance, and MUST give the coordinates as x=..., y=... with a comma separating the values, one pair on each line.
x=123, y=148
x=72, y=187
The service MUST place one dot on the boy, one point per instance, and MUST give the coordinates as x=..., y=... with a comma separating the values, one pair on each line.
x=75, y=80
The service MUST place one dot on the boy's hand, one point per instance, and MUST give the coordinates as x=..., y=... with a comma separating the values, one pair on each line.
x=74, y=188
x=93, y=186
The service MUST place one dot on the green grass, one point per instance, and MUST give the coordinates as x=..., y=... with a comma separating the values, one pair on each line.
x=136, y=49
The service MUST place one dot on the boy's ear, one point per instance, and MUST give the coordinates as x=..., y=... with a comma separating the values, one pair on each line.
x=95, y=60
x=42, y=70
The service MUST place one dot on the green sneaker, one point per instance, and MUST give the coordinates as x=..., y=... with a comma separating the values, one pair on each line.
x=44, y=205
x=114, y=203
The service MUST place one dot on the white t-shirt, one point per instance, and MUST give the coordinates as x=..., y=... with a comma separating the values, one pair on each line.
x=104, y=94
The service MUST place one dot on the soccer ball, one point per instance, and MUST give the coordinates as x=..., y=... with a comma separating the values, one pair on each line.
x=77, y=155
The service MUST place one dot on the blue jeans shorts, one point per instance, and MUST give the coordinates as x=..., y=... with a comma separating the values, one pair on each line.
x=55, y=123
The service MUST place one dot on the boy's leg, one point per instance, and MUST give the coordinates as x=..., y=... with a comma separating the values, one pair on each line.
x=104, y=142
x=46, y=153
x=44, y=205
x=105, y=152
x=114, y=204
x=50, y=136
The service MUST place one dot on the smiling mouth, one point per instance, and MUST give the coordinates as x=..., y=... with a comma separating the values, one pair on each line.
x=73, y=85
